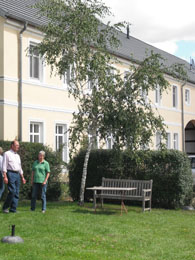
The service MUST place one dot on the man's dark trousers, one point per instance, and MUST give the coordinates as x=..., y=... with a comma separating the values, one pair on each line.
x=2, y=186
x=11, y=202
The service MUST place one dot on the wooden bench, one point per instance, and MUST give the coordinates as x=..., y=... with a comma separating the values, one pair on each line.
x=143, y=191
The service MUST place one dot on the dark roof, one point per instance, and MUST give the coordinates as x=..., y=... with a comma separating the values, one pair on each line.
x=130, y=49
x=21, y=10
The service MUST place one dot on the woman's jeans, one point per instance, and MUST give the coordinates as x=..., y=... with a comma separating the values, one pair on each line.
x=2, y=186
x=36, y=188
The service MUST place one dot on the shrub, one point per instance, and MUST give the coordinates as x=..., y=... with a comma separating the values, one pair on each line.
x=29, y=153
x=169, y=169
x=102, y=163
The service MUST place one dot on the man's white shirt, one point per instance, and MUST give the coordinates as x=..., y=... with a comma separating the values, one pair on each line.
x=1, y=163
x=12, y=162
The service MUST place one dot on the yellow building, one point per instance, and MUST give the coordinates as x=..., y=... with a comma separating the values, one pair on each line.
x=35, y=106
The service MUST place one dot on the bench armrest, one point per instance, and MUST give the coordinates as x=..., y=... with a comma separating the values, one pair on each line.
x=144, y=191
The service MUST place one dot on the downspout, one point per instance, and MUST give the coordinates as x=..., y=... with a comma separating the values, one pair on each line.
x=182, y=118
x=20, y=82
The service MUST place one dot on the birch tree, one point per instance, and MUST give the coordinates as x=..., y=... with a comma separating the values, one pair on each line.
x=109, y=103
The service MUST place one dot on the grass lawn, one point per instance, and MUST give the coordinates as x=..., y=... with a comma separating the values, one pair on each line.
x=67, y=231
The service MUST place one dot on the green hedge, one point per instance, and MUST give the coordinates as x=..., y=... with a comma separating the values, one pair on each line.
x=29, y=153
x=169, y=169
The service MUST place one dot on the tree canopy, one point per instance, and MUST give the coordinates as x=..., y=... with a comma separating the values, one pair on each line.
x=79, y=46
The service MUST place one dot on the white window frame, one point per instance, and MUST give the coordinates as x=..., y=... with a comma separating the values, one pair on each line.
x=175, y=141
x=158, y=140
x=168, y=140
x=111, y=142
x=68, y=77
x=187, y=101
x=33, y=42
x=40, y=134
x=65, y=151
x=157, y=95
x=143, y=93
x=113, y=71
x=89, y=86
x=175, y=96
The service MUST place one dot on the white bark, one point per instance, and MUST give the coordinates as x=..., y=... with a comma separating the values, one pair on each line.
x=84, y=175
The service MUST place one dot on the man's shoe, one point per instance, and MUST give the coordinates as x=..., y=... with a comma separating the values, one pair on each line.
x=6, y=211
x=43, y=211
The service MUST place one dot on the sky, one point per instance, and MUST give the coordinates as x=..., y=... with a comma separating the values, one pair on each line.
x=166, y=24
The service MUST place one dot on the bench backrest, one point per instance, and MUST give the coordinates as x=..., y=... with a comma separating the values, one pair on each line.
x=139, y=184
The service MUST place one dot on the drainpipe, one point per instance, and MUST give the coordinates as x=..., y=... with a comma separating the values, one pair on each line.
x=20, y=82
x=182, y=118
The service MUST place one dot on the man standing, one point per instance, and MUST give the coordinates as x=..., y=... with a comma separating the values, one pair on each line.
x=12, y=171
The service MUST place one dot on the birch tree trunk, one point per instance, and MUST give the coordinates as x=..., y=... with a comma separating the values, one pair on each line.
x=84, y=175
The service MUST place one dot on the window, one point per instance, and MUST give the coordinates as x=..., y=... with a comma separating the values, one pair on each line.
x=68, y=76
x=158, y=140
x=192, y=159
x=91, y=84
x=143, y=94
x=157, y=95
x=187, y=96
x=168, y=141
x=175, y=141
x=61, y=140
x=109, y=142
x=175, y=98
x=36, y=63
x=36, y=132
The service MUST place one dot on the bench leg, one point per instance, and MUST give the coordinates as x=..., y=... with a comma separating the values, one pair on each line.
x=150, y=204
x=143, y=205
x=123, y=207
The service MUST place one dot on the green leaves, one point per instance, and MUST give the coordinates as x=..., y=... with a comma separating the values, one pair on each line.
x=109, y=103
x=169, y=169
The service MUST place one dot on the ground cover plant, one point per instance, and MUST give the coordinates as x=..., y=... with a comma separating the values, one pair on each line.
x=68, y=231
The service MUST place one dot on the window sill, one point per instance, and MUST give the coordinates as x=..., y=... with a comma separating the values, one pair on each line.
x=34, y=80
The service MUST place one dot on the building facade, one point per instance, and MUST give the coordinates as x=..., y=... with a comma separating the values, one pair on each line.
x=35, y=106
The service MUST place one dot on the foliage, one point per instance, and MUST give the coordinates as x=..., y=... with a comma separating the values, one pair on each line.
x=29, y=153
x=169, y=169
x=121, y=108
x=75, y=37
x=76, y=44
x=109, y=103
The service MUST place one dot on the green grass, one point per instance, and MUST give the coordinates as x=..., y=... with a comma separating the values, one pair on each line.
x=67, y=231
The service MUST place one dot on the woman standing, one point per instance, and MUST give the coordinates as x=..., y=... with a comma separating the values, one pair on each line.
x=2, y=186
x=40, y=175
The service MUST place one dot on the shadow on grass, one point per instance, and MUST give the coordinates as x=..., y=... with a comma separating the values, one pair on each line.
x=26, y=203
x=108, y=210
x=87, y=210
